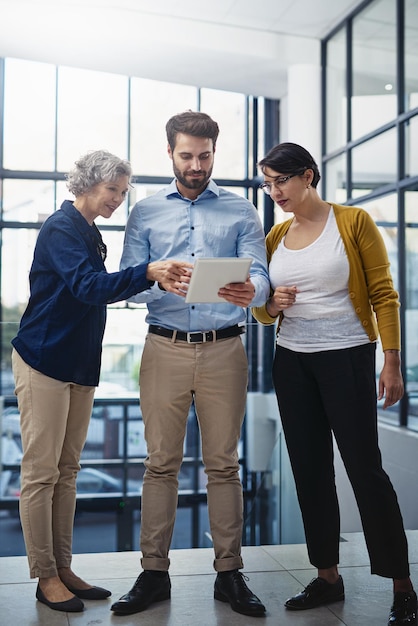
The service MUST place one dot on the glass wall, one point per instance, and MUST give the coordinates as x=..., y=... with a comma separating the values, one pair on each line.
x=152, y=104
x=336, y=103
x=29, y=115
x=374, y=79
x=370, y=158
x=51, y=116
x=370, y=149
x=47, y=127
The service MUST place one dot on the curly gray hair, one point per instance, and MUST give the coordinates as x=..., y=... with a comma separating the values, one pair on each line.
x=96, y=167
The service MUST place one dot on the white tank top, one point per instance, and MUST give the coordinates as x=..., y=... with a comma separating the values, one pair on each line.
x=322, y=317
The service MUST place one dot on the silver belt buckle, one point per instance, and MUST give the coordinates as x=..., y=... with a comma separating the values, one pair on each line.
x=189, y=337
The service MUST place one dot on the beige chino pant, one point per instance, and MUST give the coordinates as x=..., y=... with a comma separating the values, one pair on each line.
x=215, y=374
x=54, y=419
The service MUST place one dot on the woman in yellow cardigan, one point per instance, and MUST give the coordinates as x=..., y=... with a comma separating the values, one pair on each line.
x=332, y=294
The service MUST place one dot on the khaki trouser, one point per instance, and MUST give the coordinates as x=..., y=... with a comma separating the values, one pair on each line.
x=216, y=376
x=54, y=419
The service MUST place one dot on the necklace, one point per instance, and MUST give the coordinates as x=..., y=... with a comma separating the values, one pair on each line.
x=101, y=246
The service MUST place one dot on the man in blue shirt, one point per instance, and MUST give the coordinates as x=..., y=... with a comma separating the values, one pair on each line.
x=194, y=352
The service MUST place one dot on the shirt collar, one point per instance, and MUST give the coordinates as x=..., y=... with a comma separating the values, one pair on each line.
x=69, y=209
x=211, y=189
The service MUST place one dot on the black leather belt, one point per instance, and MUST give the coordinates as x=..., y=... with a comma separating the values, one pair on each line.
x=209, y=335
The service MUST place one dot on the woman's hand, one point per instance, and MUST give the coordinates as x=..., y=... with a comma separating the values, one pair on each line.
x=282, y=298
x=172, y=276
x=391, y=385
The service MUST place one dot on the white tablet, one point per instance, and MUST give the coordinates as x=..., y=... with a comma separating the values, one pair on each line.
x=210, y=274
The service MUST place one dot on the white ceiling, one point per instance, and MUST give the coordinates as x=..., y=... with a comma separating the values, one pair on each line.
x=236, y=45
x=245, y=46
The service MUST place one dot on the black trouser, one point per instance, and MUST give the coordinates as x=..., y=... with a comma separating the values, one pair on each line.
x=335, y=392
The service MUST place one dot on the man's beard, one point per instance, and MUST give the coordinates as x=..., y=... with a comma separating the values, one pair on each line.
x=192, y=183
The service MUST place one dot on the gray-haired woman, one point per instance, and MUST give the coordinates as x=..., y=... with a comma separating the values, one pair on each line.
x=56, y=364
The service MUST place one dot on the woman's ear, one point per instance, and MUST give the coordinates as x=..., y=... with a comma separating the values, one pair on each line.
x=309, y=176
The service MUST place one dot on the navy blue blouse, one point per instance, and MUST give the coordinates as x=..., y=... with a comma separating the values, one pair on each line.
x=61, y=330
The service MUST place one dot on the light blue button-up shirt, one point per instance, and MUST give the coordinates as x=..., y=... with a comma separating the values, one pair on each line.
x=217, y=224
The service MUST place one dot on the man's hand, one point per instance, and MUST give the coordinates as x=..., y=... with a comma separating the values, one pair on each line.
x=173, y=276
x=240, y=294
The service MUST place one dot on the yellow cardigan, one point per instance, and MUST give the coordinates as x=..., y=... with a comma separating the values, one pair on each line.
x=370, y=282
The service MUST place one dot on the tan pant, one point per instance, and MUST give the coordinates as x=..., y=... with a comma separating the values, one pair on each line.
x=216, y=376
x=54, y=419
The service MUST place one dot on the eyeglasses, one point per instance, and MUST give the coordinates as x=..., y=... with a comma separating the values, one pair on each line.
x=278, y=182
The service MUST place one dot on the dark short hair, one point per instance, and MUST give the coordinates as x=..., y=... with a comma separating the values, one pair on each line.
x=290, y=158
x=191, y=123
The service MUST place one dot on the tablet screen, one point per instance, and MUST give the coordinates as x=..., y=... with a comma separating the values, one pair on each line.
x=210, y=274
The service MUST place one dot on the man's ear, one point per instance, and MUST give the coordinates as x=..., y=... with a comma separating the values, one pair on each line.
x=170, y=153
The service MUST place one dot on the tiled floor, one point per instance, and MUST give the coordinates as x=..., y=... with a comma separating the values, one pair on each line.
x=275, y=573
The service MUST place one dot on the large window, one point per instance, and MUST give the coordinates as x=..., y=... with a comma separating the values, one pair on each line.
x=92, y=114
x=370, y=154
x=52, y=115
x=410, y=55
x=29, y=115
x=152, y=104
x=374, y=95
x=336, y=104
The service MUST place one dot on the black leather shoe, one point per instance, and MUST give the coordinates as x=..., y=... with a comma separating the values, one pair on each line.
x=230, y=587
x=74, y=605
x=404, y=609
x=317, y=593
x=94, y=593
x=149, y=587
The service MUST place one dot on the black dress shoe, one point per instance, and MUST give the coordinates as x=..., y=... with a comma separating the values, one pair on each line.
x=149, y=587
x=404, y=609
x=74, y=605
x=230, y=587
x=94, y=593
x=317, y=593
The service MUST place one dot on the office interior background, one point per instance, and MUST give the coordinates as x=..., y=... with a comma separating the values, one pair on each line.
x=340, y=79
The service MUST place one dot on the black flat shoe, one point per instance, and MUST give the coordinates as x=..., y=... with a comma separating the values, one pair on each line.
x=94, y=593
x=404, y=609
x=74, y=605
x=317, y=593
x=149, y=587
x=230, y=587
